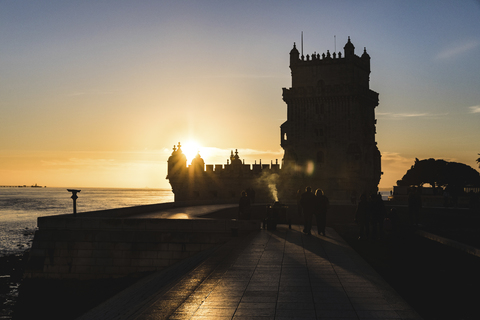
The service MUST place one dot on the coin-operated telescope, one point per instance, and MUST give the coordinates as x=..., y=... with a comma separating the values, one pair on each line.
x=74, y=197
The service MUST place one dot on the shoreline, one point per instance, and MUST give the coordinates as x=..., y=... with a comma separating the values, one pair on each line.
x=11, y=276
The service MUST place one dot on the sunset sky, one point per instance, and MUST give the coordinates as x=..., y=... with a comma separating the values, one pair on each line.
x=96, y=93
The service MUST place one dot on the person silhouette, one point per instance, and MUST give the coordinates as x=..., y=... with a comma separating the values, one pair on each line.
x=322, y=204
x=378, y=212
x=308, y=202
x=244, y=207
x=362, y=217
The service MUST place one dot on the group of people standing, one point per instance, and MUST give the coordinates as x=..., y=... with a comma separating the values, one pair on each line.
x=313, y=205
x=370, y=216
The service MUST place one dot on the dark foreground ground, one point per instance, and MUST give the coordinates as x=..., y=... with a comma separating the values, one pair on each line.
x=437, y=281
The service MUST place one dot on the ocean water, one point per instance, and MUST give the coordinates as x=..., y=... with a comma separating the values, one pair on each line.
x=20, y=208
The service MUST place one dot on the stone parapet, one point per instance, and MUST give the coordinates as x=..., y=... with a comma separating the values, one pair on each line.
x=68, y=247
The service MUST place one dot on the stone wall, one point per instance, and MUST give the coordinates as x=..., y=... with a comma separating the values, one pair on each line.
x=85, y=247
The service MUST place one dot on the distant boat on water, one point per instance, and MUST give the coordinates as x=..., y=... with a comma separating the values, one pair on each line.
x=24, y=186
x=35, y=186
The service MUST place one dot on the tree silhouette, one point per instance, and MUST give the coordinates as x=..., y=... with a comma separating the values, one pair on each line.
x=478, y=160
x=440, y=173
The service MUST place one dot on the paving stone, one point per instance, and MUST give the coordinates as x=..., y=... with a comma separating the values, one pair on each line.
x=331, y=300
x=259, y=299
x=297, y=313
x=334, y=306
x=332, y=294
x=341, y=313
x=295, y=306
x=219, y=304
x=378, y=314
x=268, y=312
x=252, y=318
x=215, y=312
x=263, y=287
x=256, y=305
x=209, y=317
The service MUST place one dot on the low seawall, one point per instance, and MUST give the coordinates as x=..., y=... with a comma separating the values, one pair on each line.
x=113, y=243
x=117, y=243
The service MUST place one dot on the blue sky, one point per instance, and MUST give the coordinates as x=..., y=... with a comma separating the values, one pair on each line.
x=95, y=93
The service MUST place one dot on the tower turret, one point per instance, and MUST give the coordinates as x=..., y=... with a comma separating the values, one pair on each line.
x=235, y=159
x=177, y=162
x=349, y=49
x=198, y=164
x=294, y=55
x=365, y=55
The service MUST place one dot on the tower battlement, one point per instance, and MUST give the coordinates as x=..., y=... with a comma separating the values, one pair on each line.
x=330, y=69
x=220, y=182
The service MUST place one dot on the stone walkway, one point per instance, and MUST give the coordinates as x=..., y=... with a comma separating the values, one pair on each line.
x=279, y=275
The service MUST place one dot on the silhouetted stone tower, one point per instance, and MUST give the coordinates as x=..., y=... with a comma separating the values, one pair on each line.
x=329, y=135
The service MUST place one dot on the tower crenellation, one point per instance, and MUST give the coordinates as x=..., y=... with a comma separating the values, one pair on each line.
x=349, y=58
x=220, y=182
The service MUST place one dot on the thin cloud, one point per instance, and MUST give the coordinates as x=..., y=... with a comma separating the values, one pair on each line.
x=76, y=162
x=91, y=93
x=394, y=159
x=410, y=115
x=475, y=109
x=98, y=164
x=238, y=76
x=457, y=50
x=394, y=166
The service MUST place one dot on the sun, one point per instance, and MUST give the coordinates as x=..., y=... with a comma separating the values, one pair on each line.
x=190, y=150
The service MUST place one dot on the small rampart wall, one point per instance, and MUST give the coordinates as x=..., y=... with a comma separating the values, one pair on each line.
x=95, y=246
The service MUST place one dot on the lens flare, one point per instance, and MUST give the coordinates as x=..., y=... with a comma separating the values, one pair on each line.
x=310, y=168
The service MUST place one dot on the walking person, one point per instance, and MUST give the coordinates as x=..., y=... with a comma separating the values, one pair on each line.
x=244, y=207
x=321, y=211
x=362, y=217
x=308, y=202
x=378, y=212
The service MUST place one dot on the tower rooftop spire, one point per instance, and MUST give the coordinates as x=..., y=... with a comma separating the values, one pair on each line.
x=349, y=49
